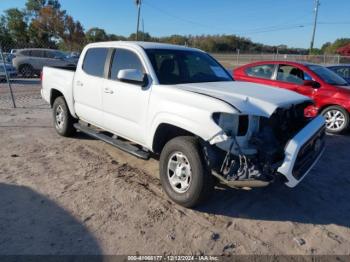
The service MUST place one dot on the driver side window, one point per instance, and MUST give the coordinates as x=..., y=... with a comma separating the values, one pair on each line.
x=291, y=74
x=124, y=59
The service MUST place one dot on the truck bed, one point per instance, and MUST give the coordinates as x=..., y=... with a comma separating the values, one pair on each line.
x=58, y=78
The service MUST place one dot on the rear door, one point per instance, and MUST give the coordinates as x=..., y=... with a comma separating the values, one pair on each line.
x=37, y=59
x=261, y=74
x=125, y=105
x=88, y=83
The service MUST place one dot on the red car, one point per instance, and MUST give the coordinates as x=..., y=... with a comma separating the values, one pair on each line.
x=330, y=92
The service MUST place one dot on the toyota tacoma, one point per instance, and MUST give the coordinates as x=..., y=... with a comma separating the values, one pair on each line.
x=152, y=99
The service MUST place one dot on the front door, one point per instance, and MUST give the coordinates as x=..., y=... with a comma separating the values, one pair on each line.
x=125, y=104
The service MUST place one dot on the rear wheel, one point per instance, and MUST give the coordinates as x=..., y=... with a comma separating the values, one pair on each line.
x=27, y=71
x=337, y=119
x=183, y=174
x=63, y=121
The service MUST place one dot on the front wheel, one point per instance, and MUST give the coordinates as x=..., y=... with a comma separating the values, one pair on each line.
x=183, y=174
x=337, y=119
x=63, y=120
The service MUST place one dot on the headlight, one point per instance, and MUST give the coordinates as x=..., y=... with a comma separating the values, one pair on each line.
x=232, y=124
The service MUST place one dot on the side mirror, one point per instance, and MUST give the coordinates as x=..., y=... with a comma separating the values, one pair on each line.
x=133, y=76
x=312, y=84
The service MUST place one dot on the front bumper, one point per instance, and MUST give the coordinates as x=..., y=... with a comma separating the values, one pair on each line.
x=303, y=151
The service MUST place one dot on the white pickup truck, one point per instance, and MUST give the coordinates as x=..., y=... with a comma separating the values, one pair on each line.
x=180, y=103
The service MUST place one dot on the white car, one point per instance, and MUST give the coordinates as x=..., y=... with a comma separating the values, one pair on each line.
x=181, y=104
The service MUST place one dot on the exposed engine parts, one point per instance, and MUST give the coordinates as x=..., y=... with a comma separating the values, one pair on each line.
x=257, y=155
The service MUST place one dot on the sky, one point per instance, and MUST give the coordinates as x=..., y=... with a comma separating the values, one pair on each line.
x=271, y=22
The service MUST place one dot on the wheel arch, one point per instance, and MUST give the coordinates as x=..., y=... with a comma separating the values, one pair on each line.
x=166, y=132
x=322, y=108
x=202, y=127
x=54, y=94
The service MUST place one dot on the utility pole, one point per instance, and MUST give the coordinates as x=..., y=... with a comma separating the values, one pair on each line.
x=138, y=3
x=317, y=4
x=143, y=30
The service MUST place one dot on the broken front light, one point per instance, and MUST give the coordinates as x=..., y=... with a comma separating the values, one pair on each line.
x=237, y=125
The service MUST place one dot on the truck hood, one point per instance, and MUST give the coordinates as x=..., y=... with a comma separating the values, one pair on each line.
x=248, y=98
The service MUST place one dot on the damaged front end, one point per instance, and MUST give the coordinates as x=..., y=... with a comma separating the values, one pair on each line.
x=251, y=151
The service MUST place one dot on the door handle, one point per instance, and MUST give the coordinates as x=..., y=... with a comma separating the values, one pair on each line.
x=79, y=83
x=108, y=91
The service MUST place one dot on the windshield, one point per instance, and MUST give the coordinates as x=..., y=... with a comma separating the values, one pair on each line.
x=186, y=66
x=328, y=75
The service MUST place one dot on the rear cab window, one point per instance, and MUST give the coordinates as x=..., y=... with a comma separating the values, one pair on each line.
x=261, y=71
x=94, y=61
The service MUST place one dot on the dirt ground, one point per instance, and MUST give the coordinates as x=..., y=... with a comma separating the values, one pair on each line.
x=82, y=196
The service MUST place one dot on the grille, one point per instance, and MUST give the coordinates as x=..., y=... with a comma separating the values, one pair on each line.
x=309, y=153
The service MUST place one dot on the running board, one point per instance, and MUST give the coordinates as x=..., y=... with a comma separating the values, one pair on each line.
x=124, y=146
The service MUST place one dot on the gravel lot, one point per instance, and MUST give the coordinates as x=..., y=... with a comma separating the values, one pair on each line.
x=82, y=196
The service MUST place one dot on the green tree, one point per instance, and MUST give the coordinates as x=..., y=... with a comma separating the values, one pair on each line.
x=55, y=4
x=113, y=37
x=14, y=23
x=73, y=36
x=316, y=51
x=6, y=40
x=142, y=37
x=33, y=7
x=339, y=43
x=325, y=46
x=48, y=27
x=96, y=34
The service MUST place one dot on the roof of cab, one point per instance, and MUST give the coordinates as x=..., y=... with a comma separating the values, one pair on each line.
x=144, y=45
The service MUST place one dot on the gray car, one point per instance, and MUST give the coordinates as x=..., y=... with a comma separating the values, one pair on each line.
x=30, y=62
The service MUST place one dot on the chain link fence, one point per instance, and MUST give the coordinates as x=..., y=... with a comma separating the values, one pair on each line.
x=20, y=67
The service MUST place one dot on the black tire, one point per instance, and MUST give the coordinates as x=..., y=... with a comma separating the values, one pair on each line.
x=345, y=116
x=201, y=182
x=27, y=71
x=64, y=126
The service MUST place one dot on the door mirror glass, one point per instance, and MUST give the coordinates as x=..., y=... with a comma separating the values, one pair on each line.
x=312, y=83
x=132, y=76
